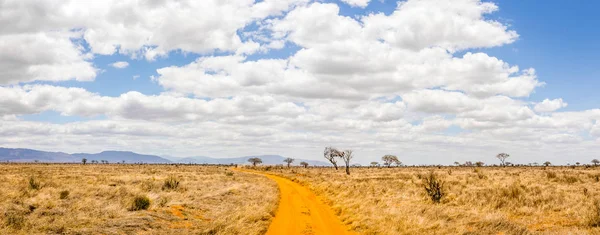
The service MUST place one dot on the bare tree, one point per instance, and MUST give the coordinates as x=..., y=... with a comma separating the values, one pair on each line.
x=331, y=154
x=347, y=156
x=288, y=161
x=304, y=164
x=390, y=159
x=255, y=161
x=502, y=157
x=595, y=161
x=374, y=164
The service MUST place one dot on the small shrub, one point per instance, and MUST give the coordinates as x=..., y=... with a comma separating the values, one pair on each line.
x=570, y=179
x=514, y=191
x=34, y=183
x=171, y=183
x=64, y=194
x=32, y=208
x=162, y=202
x=594, y=216
x=229, y=173
x=147, y=185
x=551, y=174
x=140, y=203
x=434, y=187
x=14, y=219
x=480, y=174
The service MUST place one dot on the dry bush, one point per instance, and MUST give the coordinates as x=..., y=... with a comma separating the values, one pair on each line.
x=64, y=194
x=171, y=183
x=14, y=219
x=34, y=183
x=434, y=187
x=140, y=203
x=594, y=216
x=551, y=175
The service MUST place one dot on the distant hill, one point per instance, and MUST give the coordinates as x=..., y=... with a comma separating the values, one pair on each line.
x=30, y=155
x=119, y=156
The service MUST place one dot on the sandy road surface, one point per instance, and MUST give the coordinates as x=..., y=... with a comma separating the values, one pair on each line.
x=301, y=212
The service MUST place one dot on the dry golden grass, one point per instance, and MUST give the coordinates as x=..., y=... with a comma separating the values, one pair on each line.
x=98, y=199
x=487, y=200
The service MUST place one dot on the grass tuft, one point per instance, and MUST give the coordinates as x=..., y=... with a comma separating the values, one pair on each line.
x=140, y=203
x=14, y=219
x=64, y=194
x=171, y=183
x=34, y=183
x=594, y=216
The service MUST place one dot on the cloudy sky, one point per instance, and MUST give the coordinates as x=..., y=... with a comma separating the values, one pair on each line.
x=431, y=81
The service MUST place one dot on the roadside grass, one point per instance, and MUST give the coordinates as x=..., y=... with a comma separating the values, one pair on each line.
x=472, y=200
x=133, y=199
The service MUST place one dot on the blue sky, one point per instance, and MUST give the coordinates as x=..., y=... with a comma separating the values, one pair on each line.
x=559, y=40
x=386, y=79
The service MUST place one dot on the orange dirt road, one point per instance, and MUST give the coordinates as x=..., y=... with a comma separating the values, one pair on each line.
x=301, y=212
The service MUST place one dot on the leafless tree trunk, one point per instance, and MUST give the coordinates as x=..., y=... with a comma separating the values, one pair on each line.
x=347, y=156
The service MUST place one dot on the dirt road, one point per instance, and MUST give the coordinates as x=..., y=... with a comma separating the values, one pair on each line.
x=301, y=212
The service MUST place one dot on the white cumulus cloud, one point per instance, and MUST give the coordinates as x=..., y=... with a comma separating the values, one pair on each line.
x=550, y=105
x=120, y=64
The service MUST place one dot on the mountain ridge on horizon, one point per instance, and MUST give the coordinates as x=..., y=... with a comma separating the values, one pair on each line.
x=114, y=156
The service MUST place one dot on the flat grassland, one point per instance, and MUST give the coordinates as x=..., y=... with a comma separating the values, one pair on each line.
x=101, y=199
x=485, y=200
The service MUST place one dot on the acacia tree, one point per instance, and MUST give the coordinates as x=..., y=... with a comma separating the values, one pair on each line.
x=304, y=164
x=547, y=163
x=479, y=164
x=347, y=156
x=595, y=161
x=502, y=157
x=390, y=159
x=374, y=164
x=331, y=154
x=84, y=161
x=255, y=161
x=288, y=161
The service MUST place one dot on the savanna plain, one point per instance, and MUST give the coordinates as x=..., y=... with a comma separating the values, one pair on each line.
x=193, y=199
